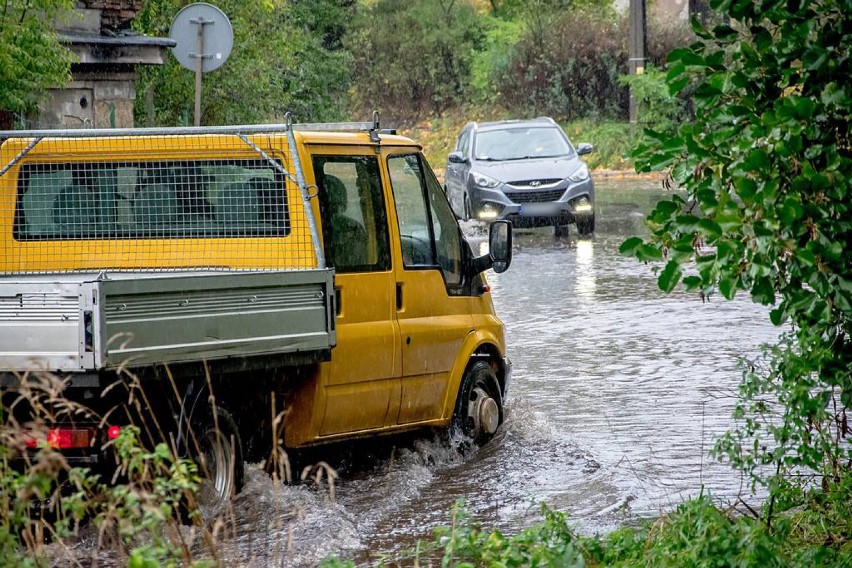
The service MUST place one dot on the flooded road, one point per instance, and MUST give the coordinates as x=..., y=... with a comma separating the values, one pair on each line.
x=618, y=393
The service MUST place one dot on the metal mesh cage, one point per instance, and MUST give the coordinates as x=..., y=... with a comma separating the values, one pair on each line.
x=155, y=201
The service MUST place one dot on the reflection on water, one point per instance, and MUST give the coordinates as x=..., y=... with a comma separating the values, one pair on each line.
x=585, y=271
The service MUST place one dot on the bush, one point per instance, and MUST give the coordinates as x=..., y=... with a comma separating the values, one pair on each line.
x=570, y=65
x=568, y=68
x=286, y=58
x=413, y=59
x=656, y=107
x=766, y=166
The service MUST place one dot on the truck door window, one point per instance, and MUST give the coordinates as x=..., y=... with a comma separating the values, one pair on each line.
x=429, y=233
x=354, y=219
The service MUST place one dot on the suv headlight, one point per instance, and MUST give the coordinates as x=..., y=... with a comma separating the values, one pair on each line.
x=484, y=181
x=581, y=174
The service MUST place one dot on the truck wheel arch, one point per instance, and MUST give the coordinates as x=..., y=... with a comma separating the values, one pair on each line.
x=476, y=348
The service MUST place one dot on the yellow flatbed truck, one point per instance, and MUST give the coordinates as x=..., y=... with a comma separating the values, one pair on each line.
x=271, y=284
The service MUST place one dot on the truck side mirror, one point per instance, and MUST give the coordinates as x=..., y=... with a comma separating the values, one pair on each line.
x=499, y=255
x=500, y=245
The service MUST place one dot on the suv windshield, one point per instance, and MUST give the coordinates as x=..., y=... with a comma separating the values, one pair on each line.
x=521, y=143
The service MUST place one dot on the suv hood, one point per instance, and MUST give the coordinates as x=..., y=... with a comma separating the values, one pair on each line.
x=517, y=170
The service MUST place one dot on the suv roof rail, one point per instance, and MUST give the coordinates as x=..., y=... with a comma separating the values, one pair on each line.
x=545, y=119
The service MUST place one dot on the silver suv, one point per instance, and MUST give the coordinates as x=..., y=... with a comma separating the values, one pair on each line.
x=526, y=171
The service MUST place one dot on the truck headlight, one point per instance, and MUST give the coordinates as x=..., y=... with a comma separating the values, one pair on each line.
x=484, y=181
x=581, y=174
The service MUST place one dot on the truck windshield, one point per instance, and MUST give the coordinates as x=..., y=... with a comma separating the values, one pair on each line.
x=133, y=200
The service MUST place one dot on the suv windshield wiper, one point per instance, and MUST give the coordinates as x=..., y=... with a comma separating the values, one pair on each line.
x=535, y=157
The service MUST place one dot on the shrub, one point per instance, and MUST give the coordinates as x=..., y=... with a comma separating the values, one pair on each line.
x=569, y=65
x=656, y=107
x=413, y=58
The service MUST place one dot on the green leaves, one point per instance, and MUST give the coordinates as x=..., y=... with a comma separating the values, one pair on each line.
x=670, y=276
x=31, y=58
x=643, y=251
x=287, y=56
x=767, y=165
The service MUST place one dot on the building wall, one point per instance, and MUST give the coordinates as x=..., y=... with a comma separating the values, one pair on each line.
x=115, y=14
x=103, y=87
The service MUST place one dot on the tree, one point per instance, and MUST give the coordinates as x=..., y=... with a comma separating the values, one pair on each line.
x=32, y=59
x=766, y=168
x=413, y=58
x=286, y=57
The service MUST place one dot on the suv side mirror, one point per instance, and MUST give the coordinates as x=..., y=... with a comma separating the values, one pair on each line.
x=456, y=158
x=499, y=255
x=584, y=148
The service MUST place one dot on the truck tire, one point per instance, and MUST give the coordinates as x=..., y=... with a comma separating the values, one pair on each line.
x=218, y=452
x=479, y=407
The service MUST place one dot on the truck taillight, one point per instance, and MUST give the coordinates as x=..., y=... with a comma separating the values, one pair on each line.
x=65, y=438
x=69, y=438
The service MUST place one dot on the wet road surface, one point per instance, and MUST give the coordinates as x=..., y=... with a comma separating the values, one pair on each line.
x=618, y=393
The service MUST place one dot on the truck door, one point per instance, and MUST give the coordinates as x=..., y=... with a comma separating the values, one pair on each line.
x=434, y=314
x=361, y=382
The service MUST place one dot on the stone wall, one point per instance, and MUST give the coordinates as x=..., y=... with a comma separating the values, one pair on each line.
x=115, y=14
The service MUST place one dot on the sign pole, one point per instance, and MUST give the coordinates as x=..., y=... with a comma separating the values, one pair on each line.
x=637, y=48
x=199, y=62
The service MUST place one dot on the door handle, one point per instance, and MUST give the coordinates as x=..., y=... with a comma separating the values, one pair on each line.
x=399, y=302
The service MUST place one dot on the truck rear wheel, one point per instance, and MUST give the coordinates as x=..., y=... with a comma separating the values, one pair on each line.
x=479, y=406
x=219, y=456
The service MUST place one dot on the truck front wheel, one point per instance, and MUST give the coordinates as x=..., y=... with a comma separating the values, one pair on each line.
x=219, y=456
x=479, y=406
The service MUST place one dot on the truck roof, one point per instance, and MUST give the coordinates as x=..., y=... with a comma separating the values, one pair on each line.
x=328, y=137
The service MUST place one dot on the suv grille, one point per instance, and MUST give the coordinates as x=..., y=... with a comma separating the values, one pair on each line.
x=535, y=196
x=539, y=182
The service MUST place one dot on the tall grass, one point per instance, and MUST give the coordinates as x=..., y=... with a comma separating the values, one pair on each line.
x=138, y=511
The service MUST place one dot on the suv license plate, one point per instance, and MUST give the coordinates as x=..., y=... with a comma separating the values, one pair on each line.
x=539, y=210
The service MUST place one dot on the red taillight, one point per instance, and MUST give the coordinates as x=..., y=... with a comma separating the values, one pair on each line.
x=113, y=432
x=69, y=438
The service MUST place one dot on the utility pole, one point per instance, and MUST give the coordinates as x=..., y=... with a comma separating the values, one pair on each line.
x=636, y=53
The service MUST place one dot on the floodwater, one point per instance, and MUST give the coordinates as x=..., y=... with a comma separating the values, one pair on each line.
x=617, y=396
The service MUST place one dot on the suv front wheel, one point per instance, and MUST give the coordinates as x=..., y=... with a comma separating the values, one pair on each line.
x=586, y=226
